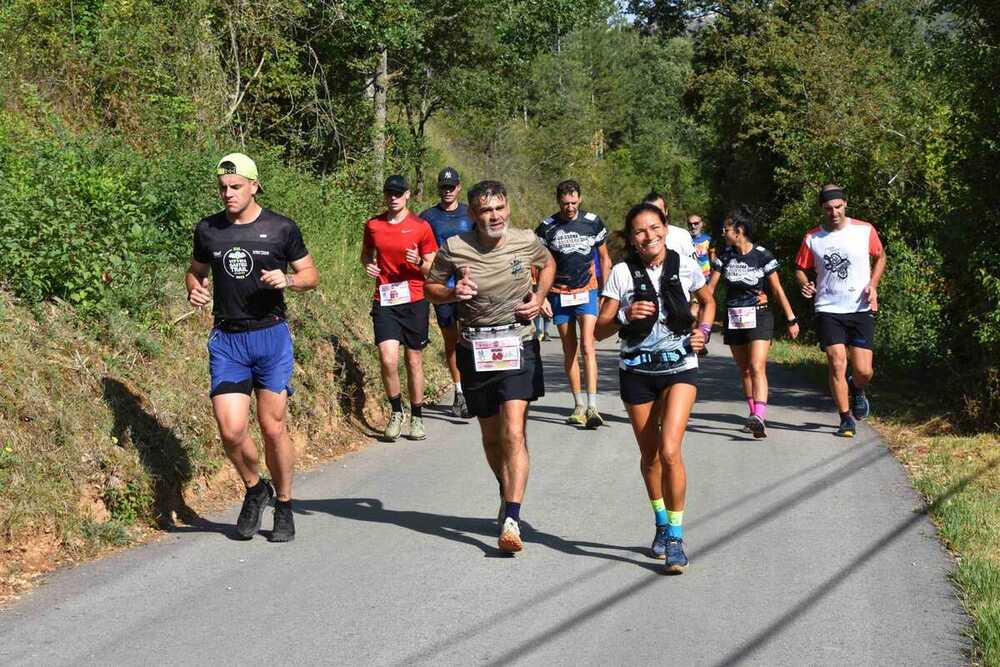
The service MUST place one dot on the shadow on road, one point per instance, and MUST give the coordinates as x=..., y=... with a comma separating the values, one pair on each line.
x=466, y=530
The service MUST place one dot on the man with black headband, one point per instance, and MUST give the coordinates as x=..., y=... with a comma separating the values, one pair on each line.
x=248, y=251
x=839, y=254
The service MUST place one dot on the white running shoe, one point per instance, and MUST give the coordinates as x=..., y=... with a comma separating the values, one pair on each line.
x=510, y=537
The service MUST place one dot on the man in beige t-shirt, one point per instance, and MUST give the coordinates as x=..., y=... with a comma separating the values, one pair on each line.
x=498, y=356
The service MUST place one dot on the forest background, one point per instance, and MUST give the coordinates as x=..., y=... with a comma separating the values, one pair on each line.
x=113, y=113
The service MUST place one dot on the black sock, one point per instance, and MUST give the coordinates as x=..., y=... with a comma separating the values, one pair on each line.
x=512, y=511
x=283, y=503
x=396, y=402
x=417, y=409
x=257, y=488
x=846, y=415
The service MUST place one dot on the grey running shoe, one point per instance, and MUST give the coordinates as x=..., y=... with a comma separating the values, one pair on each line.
x=756, y=425
x=284, y=524
x=594, y=418
x=578, y=416
x=252, y=511
x=458, y=407
x=510, y=537
x=417, y=431
x=394, y=427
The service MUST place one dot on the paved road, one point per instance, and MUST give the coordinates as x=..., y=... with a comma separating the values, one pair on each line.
x=805, y=550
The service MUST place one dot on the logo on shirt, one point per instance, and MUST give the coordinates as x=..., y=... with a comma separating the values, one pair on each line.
x=738, y=272
x=834, y=263
x=516, y=266
x=572, y=242
x=238, y=263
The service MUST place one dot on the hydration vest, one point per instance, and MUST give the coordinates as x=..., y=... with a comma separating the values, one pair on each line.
x=671, y=299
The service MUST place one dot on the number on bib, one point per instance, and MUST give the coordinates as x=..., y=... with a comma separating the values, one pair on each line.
x=393, y=294
x=743, y=318
x=497, y=354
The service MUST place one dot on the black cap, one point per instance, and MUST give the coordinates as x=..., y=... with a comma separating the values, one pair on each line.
x=395, y=184
x=448, y=176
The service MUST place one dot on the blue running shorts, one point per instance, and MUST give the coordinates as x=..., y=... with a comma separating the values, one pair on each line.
x=564, y=314
x=244, y=360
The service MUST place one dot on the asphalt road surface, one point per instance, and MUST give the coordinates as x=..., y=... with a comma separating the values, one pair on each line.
x=805, y=549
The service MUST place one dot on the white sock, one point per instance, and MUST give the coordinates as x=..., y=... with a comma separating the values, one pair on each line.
x=592, y=400
x=458, y=387
x=578, y=399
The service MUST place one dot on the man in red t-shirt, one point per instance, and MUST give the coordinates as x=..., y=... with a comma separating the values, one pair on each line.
x=397, y=251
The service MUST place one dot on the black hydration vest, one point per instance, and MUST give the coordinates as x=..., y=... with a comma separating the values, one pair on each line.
x=672, y=299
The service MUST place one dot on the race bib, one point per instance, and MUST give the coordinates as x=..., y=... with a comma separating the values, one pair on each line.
x=575, y=299
x=743, y=318
x=394, y=294
x=497, y=354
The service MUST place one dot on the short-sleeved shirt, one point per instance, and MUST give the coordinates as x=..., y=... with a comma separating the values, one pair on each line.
x=446, y=224
x=237, y=254
x=502, y=275
x=679, y=240
x=572, y=244
x=621, y=287
x=841, y=261
x=746, y=275
x=702, y=243
x=390, y=241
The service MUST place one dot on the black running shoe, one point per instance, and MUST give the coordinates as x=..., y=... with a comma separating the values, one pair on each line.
x=254, y=502
x=284, y=524
x=847, y=428
x=860, y=407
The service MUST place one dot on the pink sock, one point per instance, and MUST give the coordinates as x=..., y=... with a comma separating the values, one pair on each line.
x=760, y=409
x=750, y=404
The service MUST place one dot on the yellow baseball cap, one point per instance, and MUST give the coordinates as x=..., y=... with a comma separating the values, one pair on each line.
x=241, y=165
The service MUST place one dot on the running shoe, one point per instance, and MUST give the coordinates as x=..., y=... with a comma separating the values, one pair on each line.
x=675, y=561
x=658, y=549
x=594, y=418
x=756, y=425
x=417, y=431
x=746, y=428
x=284, y=523
x=578, y=416
x=394, y=427
x=860, y=407
x=847, y=428
x=510, y=537
x=252, y=511
x=459, y=407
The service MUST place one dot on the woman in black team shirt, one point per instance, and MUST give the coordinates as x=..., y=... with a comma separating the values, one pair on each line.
x=748, y=270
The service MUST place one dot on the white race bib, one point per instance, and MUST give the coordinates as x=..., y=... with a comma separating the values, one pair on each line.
x=743, y=318
x=502, y=353
x=574, y=299
x=394, y=294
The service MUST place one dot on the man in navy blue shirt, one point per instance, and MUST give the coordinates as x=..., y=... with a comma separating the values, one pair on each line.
x=447, y=218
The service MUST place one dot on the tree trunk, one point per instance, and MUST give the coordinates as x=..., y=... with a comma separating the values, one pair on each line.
x=381, y=86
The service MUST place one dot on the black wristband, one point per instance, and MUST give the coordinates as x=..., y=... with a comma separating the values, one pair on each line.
x=792, y=321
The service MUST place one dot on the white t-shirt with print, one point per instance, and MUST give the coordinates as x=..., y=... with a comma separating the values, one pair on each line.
x=620, y=286
x=841, y=261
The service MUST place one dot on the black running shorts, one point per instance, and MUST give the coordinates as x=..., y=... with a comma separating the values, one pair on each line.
x=854, y=329
x=485, y=391
x=763, y=331
x=640, y=388
x=407, y=323
x=446, y=314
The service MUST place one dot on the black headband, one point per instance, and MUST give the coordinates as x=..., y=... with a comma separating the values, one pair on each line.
x=829, y=195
